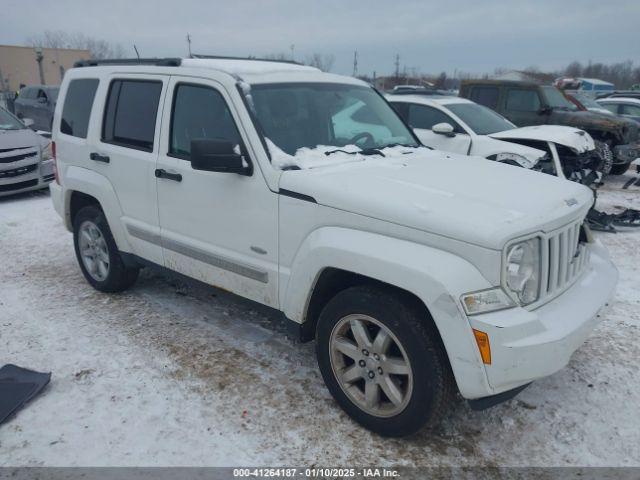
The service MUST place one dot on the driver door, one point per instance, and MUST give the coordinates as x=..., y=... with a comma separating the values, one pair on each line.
x=220, y=228
x=422, y=119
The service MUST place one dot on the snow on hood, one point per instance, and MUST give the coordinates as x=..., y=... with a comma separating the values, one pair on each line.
x=574, y=138
x=306, y=158
x=460, y=197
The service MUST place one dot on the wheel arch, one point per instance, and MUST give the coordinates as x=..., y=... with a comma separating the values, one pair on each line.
x=430, y=279
x=85, y=187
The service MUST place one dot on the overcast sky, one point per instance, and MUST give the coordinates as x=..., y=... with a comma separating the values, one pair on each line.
x=468, y=35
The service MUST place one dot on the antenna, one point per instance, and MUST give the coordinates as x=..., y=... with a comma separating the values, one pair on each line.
x=136, y=49
x=397, y=64
x=355, y=63
x=189, y=43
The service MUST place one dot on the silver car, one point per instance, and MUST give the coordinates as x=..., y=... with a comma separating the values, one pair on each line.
x=26, y=161
x=38, y=103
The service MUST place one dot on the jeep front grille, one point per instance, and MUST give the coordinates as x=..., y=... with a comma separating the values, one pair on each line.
x=564, y=257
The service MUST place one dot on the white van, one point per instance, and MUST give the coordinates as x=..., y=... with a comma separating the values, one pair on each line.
x=419, y=273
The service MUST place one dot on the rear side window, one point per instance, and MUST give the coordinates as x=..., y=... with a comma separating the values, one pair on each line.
x=130, y=114
x=523, y=100
x=487, y=96
x=633, y=110
x=27, y=92
x=612, y=107
x=77, y=107
x=199, y=113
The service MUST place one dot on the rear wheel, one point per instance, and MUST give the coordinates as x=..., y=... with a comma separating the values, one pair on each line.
x=98, y=254
x=382, y=362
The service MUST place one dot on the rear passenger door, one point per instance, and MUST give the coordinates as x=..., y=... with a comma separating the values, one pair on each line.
x=126, y=153
x=220, y=228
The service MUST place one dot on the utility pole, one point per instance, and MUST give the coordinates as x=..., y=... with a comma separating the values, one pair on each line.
x=189, y=44
x=397, y=64
x=39, y=58
x=355, y=63
x=292, y=47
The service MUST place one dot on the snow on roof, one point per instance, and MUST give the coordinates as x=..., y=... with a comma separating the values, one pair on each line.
x=595, y=81
x=428, y=99
x=246, y=67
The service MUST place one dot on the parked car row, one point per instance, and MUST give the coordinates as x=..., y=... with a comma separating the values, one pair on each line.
x=419, y=273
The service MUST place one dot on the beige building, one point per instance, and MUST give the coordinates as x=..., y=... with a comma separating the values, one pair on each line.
x=19, y=65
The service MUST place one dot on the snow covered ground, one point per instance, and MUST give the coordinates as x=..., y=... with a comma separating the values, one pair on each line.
x=175, y=374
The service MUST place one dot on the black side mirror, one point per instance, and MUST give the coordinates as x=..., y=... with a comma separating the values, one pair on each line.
x=42, y=100
x=544, y=110
x=218, y=156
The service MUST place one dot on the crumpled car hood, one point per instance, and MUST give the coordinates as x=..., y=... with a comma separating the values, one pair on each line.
x=625, y=130
x=576, y=139
x=460, y=197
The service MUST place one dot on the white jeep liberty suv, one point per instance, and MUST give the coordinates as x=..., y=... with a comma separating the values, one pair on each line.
x=418, y=273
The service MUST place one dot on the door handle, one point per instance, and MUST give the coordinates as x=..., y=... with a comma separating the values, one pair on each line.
x=99, y=158
x=162, y=173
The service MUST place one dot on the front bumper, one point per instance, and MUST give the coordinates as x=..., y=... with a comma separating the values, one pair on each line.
x=527, y=345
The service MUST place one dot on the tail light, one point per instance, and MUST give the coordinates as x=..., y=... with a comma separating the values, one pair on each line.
x=55, y=162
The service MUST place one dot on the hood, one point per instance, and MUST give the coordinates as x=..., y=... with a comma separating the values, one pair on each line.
x=625, y=130
x=460, y=197
x=25, y=138
x=576, y=139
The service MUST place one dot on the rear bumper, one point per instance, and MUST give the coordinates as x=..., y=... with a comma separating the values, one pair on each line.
x=527, y=345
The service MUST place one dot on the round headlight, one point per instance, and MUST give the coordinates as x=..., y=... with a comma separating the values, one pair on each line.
x=523, y=270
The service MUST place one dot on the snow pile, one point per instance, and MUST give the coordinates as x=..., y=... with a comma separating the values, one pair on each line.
x=305, y=158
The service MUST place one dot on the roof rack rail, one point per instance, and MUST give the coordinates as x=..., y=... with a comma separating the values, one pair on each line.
x=221, y=57
x=161, y=62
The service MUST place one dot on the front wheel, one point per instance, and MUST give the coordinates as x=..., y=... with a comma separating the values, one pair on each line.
x=382, y=362
x=620, y=169
x=97, y=253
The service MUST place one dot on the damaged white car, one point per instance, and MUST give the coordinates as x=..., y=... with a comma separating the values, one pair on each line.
x=461, y=126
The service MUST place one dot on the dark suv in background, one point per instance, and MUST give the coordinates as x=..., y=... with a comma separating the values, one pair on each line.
x=527, y=104
x=38, y=103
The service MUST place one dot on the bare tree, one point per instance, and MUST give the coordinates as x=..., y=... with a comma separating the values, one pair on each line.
x=277, y=56
x=320, y=61
x=61, y=39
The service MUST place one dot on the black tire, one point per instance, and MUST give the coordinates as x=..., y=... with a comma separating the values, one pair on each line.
x=119, y=276
x=433, y=384
x=620, y=169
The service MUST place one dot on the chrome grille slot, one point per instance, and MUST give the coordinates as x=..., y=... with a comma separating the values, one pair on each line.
x=563, y=260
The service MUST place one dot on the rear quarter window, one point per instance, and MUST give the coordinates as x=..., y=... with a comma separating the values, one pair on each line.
x=130, y=113
x=78, y=103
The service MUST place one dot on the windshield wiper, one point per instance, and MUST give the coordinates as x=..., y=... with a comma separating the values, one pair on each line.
x=406, y=145
x=362, y=151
